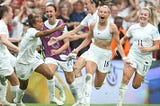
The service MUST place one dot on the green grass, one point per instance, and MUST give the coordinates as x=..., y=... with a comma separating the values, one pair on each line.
x=95, y=105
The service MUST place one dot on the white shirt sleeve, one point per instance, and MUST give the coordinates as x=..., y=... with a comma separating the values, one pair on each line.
x=155, y=34
x=3, y=30
x=84, y=22
x=65, y=29
x=128, y=33
x=32, y=32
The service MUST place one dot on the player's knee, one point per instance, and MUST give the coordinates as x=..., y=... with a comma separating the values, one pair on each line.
x=49, y=76
x=23, y=86
x=69, y=80
x=97, y=87
x=126, y=79
x=136, y=85
x=75, y=68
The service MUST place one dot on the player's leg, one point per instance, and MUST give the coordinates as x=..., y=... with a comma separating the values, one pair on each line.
x=3, y=93
x=99, y=79
x=127, y=74
x=51, y=86
x=45, y=71
x=137, y=81
x=14, y=83
x=61, y=89
x=142, y=70
x=90, y=69
x=52, y=64
x=20, y=92
x=78, y=66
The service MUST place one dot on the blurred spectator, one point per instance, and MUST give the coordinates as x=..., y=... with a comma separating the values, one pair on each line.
x=64, y=15
x=14, y=4
x=78, y=13
x=114, y=13
x=128, y=11
x=17, y=26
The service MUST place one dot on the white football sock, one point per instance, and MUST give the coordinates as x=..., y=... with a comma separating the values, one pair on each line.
x=80, y=89
x=3, y=91
x=73, y=88
x=60, y=87
x=51, y=88
x=88, y=87
x=122, y=91
x=19, y=95
x=14, y=90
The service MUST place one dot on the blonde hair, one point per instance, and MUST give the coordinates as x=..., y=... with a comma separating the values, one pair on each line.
x=153, y=15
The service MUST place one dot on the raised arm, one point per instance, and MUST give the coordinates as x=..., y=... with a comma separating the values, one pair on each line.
x=48, y=32
x=116, y=37
x=62, y=48
x=87, y=40
x=65, y=35
x=53, y=40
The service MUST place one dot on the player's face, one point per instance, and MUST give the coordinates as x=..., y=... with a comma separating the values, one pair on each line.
x=103, y=13
x=144, y=16
x=50, y=12
x=39, y=23
x=88, y=6
x=9, y=15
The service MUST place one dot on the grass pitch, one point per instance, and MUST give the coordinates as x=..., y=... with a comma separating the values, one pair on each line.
x=95, y=105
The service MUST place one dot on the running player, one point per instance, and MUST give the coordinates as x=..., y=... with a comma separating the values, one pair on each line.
x=91, y=7
x=100, y=53
x=28, y=59
x=6, y=69
x=53, y=53
x=145, y=41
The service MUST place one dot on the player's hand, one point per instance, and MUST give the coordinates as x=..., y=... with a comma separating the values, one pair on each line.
x=73, y=37
x=115, y=52
x=52, y=41
x=54, y=52
x=61, y=27
x=75, y=51
x=125, y=60
x=143, y=49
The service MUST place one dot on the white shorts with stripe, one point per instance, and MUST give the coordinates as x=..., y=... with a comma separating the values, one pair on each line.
x=101, y=57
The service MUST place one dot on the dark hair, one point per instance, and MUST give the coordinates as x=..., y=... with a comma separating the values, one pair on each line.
x=101, y=2
x=105, y=2
x=118, y=17
x=25, y=23
x=96, y=2
x=3, y=9
x=52, y=5
x=32, y=19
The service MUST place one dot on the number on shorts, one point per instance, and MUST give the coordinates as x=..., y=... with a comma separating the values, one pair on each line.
x=106, y=63
x=145, y=67
x=69, y=63
x=140, y=42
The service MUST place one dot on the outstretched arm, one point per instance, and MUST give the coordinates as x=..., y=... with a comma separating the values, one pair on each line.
x=87, y=39
x=48, y=32
x=62, y=48
x=53, y=40
x=118, y=43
